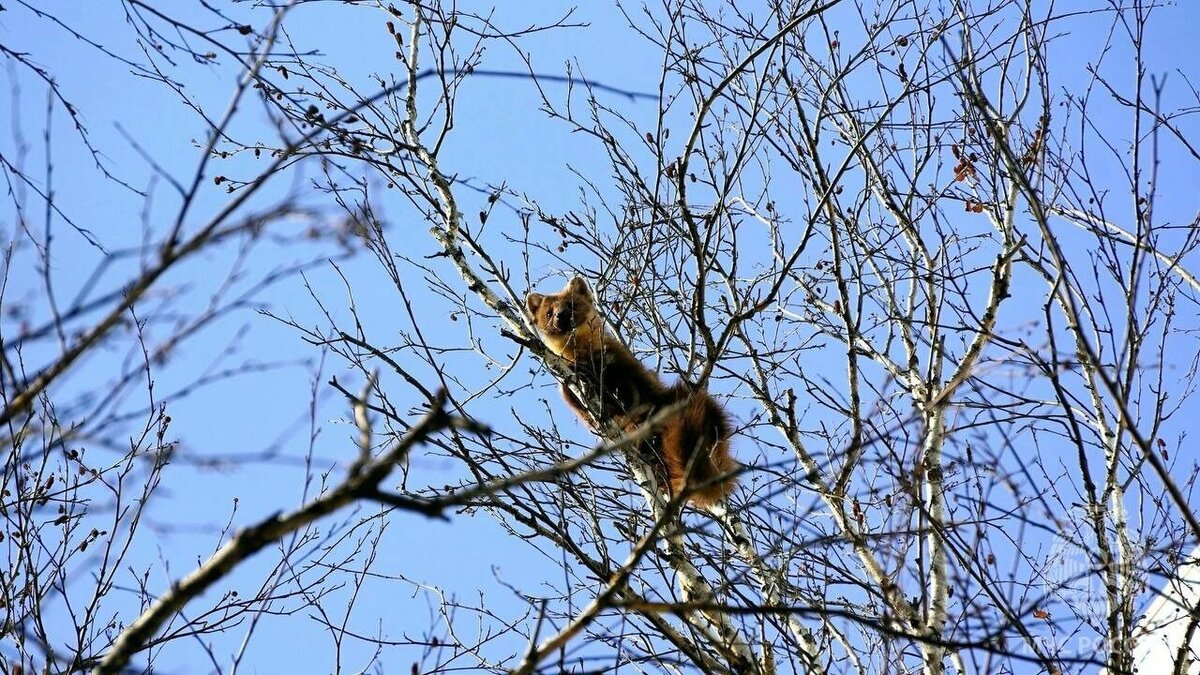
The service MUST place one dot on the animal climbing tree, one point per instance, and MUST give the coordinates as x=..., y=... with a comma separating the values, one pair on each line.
x=937, y=262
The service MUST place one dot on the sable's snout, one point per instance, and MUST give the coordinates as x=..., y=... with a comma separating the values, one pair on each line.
x=564, y=318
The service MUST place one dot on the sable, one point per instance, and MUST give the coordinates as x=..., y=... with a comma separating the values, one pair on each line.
x=692, y=448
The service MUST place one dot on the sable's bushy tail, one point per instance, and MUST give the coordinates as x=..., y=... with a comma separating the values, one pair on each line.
x=695, y=448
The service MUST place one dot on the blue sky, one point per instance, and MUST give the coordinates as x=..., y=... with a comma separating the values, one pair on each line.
x=500, y=137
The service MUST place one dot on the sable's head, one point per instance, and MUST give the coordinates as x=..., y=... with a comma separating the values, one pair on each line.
x=567, y=320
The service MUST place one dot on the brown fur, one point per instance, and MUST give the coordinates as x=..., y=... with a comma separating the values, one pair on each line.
x=692, y=447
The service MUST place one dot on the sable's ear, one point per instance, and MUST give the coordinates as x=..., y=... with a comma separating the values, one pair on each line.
x=578, y=285
x=533, y=301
